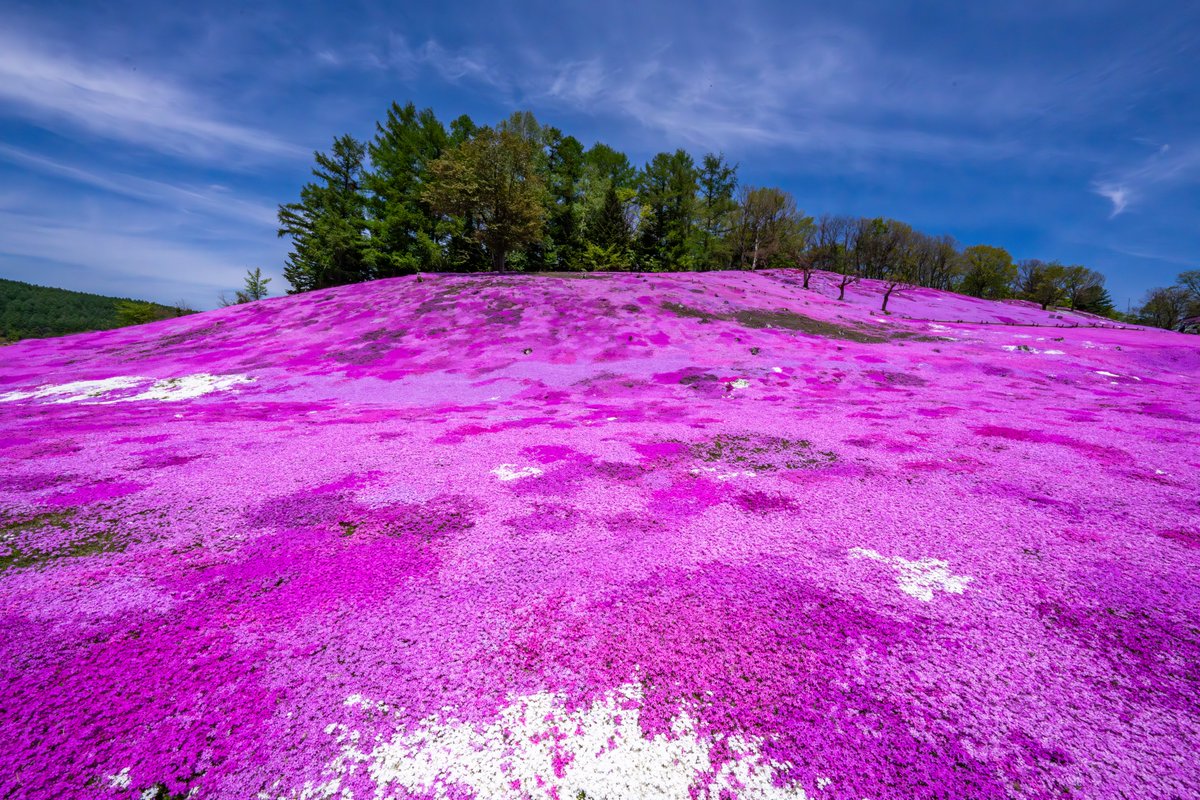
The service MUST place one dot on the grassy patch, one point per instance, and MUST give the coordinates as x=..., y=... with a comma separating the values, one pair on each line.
x=762, y=453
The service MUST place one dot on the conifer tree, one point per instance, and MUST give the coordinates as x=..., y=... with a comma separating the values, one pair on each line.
x=328, y=226
x=667, y=196
x=404, y=235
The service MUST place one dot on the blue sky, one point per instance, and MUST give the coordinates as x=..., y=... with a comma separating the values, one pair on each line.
x=144, y=147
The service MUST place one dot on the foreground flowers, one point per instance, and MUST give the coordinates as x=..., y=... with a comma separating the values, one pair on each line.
x=629, y=536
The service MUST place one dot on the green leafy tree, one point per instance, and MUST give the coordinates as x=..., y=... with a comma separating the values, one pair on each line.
x=1049, y=285
x=1164, y=308
x=405, y=237
x=491, y=182
x=990, y=272
x=767, y=219
x=329, y=226
x=1080, y=284
x=137, y=312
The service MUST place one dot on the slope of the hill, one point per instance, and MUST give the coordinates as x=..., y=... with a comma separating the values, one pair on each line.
x=31, y=311
x=626, y=536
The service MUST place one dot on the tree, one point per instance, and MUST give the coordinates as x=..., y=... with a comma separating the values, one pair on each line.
x=137, y=312
x=667, y=198
x=255, y=287
x=565, y=214
x=328, y=226
x=1080, y=283
x=1190, y=283
x=405, y=236
x=845, y=260
x=610, y=228
x=990, y=272
x=490, y=181
x=716, y=210
x=1164, y=308
x=767, y=218
x=911, y=251
x=1049, y=285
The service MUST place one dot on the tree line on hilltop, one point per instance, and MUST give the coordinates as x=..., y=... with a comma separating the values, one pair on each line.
x=28, y=311
x=522, y=196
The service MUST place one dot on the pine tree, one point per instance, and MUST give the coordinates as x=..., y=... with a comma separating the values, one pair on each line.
x=404, y=235
x=563, y=176
x=255, y=287
x=328, y=226
x=716, y=210
x=667, y=196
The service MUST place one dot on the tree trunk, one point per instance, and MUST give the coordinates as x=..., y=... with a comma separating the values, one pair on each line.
x=807, y=275
x=842, y=290
x=886, y=296
x=497, y=260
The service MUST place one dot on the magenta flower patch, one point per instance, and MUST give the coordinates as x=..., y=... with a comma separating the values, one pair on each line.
x=641, y=536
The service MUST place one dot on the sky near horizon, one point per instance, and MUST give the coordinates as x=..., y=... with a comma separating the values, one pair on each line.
x=144, y=147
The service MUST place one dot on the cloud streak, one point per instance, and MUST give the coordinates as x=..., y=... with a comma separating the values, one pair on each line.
x=59, y=92
x=1167, y=166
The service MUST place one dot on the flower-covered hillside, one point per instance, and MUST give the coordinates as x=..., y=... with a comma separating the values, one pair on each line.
x=662, y=536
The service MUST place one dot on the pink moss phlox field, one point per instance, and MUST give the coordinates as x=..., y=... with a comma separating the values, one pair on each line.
x=602, y=536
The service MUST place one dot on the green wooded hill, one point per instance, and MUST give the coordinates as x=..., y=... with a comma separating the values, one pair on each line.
x=28, y=311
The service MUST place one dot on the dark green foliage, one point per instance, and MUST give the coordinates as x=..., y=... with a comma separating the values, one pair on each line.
x=490, y=182
x=528, y=197
x=28, y=311
x=716, y=211
x=610, y=228
x=254, y=288
x=990, y=272
x=667, y=197
x=404, y=231
x=329, y=225
x=565, y=217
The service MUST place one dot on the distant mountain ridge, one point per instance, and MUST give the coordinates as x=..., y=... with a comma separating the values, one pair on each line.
x=29, y=311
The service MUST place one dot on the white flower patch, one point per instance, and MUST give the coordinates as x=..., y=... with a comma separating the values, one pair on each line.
x=740, y=383
x=538, y=748
x=188, y=387
x=723, y=476
x=101, y=391
x=776, y=369
x=76, y=391
x=121, y=780
x=919, y=578
x=1024, y=348
x=511, y=472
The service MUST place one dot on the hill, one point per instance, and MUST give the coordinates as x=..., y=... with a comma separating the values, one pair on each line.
x=28, y=311
x=604, y=536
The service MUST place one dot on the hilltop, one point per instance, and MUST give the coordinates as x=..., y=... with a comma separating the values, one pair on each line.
x=602, y=536
x=31, y=311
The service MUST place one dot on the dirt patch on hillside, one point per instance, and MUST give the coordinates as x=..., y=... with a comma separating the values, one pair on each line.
x=791, y=321
x=761, y=319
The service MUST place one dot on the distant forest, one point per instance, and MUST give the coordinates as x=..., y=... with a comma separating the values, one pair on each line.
x=424, y=196
x=28, y=311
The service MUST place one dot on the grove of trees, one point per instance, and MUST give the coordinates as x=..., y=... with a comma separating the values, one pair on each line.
x=28, y=311
x=522, y=196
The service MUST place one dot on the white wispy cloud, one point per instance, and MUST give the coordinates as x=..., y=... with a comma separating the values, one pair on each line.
x=166, y=197
x=1166, y=166
x=1116, y=194
x=400, y=56
x=58, y=90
